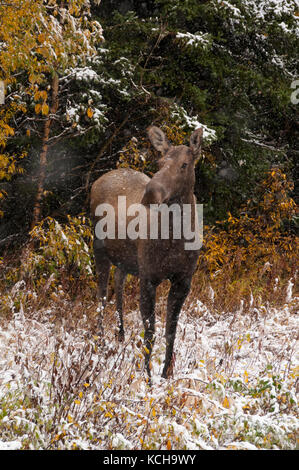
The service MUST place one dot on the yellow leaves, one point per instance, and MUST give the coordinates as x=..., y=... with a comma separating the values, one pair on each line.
x=246, y=242
x=226, y=403
x=35, y=41
x=7, y=113
x=246, y=408
x=41, y=107
x=8, y=165
x=32, y=78
x=45, y=109
x=57, y=437
x=41, y=37
x=37, y=44
x=89, y=113
x=7, y=130
x=77, y=401
x=231, y=219
x=40, y=95
x=38, y=108
x=175, y=134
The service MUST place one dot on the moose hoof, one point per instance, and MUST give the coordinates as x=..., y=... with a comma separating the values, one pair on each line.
x=121, y=336
x=100, y=331
x=167, y=372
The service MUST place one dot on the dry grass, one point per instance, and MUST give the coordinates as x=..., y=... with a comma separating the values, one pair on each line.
x=233, y=385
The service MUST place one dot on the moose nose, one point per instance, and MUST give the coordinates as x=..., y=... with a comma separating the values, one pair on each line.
x=154, y=193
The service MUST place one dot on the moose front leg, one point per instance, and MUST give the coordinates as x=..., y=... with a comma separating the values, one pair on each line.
x=147, y=309
x=178, y=292
x=103, y=270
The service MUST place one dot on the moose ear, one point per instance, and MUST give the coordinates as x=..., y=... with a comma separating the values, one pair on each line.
x=195, y=141
x=158, y=139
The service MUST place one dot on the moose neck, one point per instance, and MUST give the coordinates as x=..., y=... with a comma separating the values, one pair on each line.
x=185, y=198
x=161, y=189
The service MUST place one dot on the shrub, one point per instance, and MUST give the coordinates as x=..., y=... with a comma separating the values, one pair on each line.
x=57, y=263
x=256, y=250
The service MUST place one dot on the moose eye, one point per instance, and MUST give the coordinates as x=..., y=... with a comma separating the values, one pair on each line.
x=184, y=165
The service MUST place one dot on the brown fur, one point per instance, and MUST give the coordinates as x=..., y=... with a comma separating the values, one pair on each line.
x=151, y=260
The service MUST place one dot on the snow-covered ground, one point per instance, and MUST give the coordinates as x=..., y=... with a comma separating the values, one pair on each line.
x=233, y=385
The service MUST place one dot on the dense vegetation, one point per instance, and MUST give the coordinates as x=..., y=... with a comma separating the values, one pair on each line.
x=226, y=65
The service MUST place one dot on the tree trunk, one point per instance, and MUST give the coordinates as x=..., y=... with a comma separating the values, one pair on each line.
x=43, y=155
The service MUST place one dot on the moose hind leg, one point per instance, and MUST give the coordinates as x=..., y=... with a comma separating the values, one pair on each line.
x=147, y=309
x=178, y=292
x=119, y=278
x=103, y=265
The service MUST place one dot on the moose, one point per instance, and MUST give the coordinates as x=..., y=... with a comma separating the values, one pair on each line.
x=152, y=260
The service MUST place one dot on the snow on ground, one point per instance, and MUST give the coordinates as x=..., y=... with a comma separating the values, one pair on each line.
x=233, y=385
